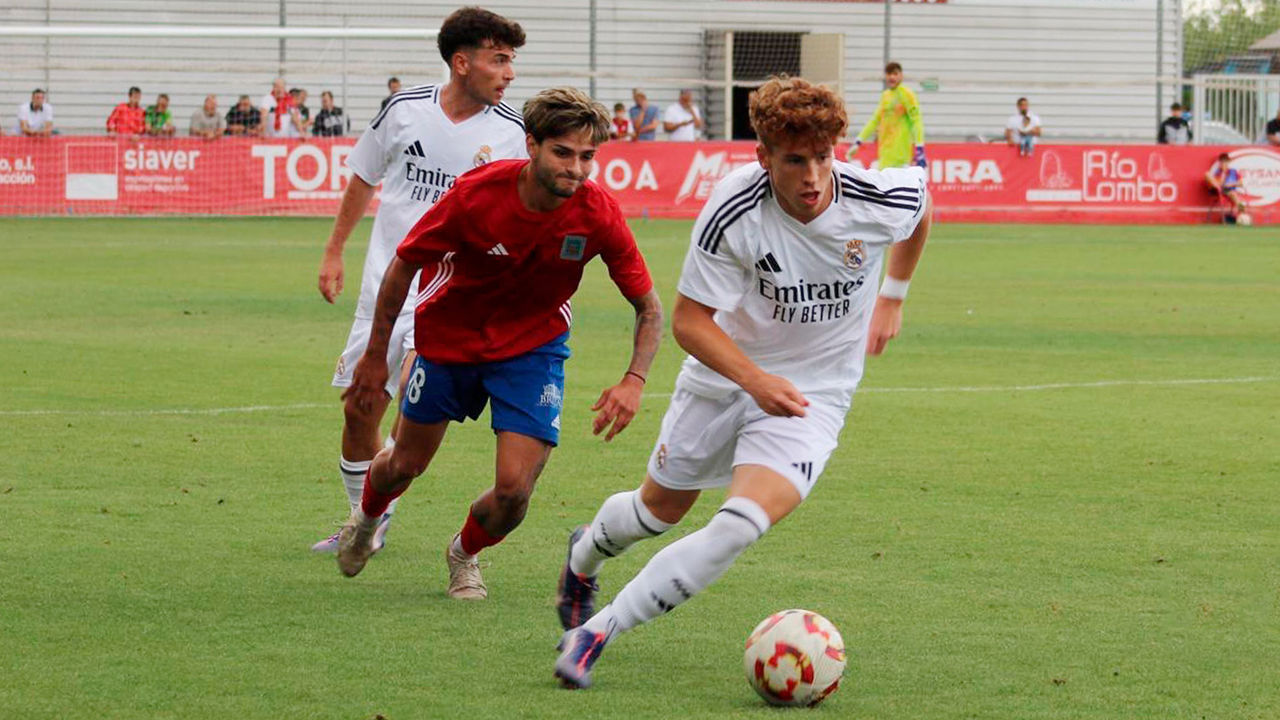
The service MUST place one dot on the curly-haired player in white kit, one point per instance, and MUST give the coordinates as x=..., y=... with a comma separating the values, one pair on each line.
x=777, y=307
x=420, y=142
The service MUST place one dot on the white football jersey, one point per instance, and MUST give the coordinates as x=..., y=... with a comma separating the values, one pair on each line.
x=416, y=152
x=797, y=298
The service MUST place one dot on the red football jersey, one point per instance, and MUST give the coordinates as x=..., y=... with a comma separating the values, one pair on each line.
x=497, y=277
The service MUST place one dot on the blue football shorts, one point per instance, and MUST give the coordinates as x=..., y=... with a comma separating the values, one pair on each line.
x=525, y=393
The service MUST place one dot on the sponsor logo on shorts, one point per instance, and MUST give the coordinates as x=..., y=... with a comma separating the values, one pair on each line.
x=805, y=468
x=550, y=397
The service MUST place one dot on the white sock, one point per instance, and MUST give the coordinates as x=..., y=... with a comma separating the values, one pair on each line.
x=455, y=547
x=684, y=568
x=353, y=474
x=621, y=521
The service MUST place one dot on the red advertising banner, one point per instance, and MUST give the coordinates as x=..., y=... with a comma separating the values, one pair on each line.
x=969, y=182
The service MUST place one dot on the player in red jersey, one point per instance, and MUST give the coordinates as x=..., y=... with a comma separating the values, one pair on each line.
x=501, y=254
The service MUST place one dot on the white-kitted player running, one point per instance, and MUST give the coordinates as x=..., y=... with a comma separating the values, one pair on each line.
x=777, y=307
x=420, y=142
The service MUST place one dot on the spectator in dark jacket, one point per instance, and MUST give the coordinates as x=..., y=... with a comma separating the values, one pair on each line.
x=330, y=122
x=1174, y=130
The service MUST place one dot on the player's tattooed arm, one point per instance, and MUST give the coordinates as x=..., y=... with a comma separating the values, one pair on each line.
x=886, y=319
x=354, y=202
x=369, y=380
x=618, y=404
x=695, y=329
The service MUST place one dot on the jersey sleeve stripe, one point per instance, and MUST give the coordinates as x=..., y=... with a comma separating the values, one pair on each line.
x=732, y=216
x=731, y=219
x=510, y=114
x=901, y=203
x=870, y=189
x=443, y=273
x=425, y=93
x=710, y=234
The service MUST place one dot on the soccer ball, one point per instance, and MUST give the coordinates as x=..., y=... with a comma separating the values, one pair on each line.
x=794, y=657
x=1244, y=219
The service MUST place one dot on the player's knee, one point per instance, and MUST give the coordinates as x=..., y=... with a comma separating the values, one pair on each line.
x=359, y=419
x=405, y=465
x=512, y=496
x=738, y=524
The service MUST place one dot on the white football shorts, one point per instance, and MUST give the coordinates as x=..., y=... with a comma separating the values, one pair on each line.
x=400, y=345
x=703, y=439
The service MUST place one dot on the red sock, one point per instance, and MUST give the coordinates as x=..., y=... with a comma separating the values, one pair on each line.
x=374, y=503
x=474, y=538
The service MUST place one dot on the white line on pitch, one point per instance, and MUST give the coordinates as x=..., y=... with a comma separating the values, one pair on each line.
x=173, y=411
x=951, y=389
x=1060, y=386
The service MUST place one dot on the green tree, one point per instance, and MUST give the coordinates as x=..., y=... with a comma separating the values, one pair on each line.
x=1213, y=31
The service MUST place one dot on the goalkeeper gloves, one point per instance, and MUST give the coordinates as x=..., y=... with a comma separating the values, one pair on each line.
x=918, y=158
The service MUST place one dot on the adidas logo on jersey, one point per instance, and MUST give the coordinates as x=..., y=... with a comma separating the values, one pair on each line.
x=415, y=150
x=497, y=250
x=768, y=264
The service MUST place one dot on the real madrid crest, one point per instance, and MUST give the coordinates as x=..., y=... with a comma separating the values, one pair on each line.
x=483, y=156
x=854, y=255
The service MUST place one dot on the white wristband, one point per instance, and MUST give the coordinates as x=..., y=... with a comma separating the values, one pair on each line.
x=893, y=288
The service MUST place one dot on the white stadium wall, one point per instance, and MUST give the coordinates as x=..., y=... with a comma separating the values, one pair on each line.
x=1089, y=66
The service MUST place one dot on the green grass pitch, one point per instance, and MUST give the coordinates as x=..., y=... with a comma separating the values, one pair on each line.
x=1057, y=494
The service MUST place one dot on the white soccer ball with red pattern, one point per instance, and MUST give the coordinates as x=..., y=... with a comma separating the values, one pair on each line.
x=794, y=657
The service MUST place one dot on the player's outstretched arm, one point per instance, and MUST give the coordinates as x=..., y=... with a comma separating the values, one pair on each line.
x=355, y=200
x=886, y=319
x=695, y=329
x=369, y=380
x=618, y=404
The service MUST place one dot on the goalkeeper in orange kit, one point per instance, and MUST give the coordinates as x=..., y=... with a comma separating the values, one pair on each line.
x=896, y=124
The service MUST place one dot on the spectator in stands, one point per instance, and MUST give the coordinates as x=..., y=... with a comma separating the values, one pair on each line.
x=279, y=117
x=35, y=118
x=682, y=120
x=622, y=128
x=330, y=122
x=158, y=118
x=644, y=117
x=1174, y=130
x=303, y=119
x=244, y=118
x=393, y=87
x=1273, y=130
x=1224, y=183
x=128, y=118
x=1023, y=128
x=207, y=122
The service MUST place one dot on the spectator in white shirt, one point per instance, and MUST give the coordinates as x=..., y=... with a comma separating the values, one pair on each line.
x=682, y=121
x=1022, y=129
x=35, y=118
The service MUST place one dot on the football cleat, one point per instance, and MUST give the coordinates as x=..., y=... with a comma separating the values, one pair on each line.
x=580, y=648
x=355, y=543
x=576, y=594
x=465, y=582
x=330, y=544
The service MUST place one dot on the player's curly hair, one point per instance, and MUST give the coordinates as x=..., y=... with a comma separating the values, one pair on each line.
x=470, y=27
x=787, y=110
x=560, y=110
